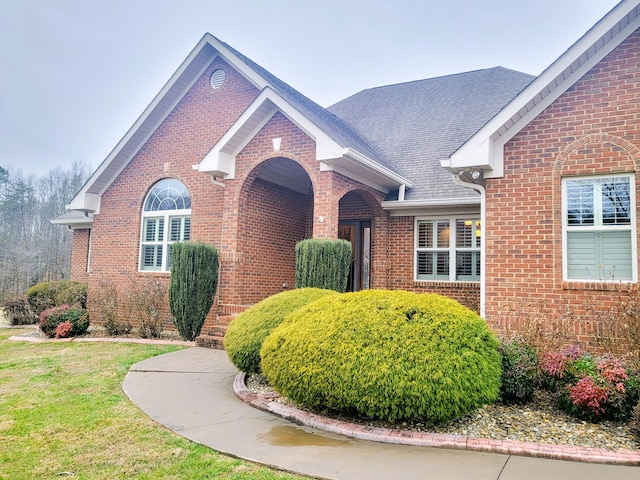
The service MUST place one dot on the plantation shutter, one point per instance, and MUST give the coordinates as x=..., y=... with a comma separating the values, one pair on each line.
x=599, y=255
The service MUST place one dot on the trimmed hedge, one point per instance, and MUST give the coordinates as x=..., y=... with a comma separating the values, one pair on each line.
x=246, y=333
x=193, y=284
x=323, y=263
x=385, y=354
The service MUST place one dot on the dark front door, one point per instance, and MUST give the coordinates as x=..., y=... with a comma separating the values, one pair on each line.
x=358, y=232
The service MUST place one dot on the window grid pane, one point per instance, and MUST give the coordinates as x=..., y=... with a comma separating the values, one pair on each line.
x=616, y=204
x=580, y=208
x=425, y=235
x=443, y=235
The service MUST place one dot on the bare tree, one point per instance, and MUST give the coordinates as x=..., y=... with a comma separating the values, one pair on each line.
x=31, y=248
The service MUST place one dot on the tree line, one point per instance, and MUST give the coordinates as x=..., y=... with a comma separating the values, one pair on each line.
x=32, y=249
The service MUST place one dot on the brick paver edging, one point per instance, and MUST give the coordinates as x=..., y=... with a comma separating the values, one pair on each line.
x=424, y=439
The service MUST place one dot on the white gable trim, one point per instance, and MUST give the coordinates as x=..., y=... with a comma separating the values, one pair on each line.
x=485, y=150
x=220, y=161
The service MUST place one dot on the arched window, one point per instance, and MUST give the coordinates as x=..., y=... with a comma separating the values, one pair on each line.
x=166, y=218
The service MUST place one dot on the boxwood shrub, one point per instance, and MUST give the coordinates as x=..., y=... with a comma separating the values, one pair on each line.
x=385, y=354
x=248, y=330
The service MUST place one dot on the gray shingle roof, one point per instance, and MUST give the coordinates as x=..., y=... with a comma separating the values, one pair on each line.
x=332, y=125
x=414, y=125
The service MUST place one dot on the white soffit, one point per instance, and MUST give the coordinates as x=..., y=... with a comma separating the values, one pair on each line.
x=485, y=149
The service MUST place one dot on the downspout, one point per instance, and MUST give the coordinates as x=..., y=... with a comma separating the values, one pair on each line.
x=483, y=196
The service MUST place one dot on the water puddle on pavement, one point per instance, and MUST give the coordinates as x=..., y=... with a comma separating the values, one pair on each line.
x=286, y=436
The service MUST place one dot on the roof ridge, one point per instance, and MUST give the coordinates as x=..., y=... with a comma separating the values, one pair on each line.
x=439, y=77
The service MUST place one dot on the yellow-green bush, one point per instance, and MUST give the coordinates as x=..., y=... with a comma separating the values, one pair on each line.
x=46, y=295
x=248, y=330
x=383, y=354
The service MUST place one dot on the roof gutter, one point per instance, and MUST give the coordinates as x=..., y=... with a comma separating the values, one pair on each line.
x=369, y=164
x=421, y=204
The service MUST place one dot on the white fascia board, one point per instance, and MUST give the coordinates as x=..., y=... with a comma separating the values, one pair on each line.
x=401, y=208
x=367, y=163
x=485, y=149
x=75, y=224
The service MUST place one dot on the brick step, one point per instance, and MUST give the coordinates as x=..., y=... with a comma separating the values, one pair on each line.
x=224, y=320
x=210, y=341
x=217, y=331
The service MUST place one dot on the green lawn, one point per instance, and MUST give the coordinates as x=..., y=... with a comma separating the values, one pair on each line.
x=63, y=415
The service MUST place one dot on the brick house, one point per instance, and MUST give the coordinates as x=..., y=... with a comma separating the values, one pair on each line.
x=488, y=186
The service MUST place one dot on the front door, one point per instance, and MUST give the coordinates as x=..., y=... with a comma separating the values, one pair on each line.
x=358, y=232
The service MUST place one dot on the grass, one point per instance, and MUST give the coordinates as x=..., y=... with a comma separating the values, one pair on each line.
x=63, y=414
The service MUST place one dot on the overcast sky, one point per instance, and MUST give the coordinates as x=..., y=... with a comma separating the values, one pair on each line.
x=76, y=74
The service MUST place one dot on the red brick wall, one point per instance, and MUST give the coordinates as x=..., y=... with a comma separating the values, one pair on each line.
x=182, y=140
x=80, y=255
x=593, y=128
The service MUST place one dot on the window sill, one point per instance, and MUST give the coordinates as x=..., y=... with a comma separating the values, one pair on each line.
x=602, y=286
x=447, y=284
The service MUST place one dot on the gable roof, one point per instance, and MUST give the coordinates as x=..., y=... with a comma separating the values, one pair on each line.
x=485, y=149
x=356, y=149
x=418, y=124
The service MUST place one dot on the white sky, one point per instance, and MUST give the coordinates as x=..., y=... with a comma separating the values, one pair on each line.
x=76, y=74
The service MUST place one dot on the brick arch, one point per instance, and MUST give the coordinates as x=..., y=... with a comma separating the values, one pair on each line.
x=271, y=219
x=373, y=202
x=583, y=155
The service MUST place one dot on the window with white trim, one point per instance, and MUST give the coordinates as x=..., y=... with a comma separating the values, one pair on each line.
x=166, y=219
x=599, y=228
x=445, y=253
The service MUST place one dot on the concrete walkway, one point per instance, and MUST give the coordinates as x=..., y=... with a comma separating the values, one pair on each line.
x=190, y=392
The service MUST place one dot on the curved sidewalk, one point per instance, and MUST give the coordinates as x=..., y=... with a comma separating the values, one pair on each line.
x=190, y=391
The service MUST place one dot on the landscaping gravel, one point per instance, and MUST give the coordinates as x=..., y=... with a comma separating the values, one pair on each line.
x=538, y=421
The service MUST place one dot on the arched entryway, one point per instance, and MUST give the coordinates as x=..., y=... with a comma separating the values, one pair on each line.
x=355, y=223
x=275, y=212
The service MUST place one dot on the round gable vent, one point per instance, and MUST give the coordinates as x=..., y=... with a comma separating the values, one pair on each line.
x=217, y=79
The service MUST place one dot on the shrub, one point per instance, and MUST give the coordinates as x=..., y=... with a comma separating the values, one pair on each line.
x=519, y=371
x=146, y=298
x=52, y=317
x=194, y=279
x=323, y=264
x=387, y=355
x=19, y=313
x=50, y=294
x=589, y=388
x=105, y=300
x=246, y=333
